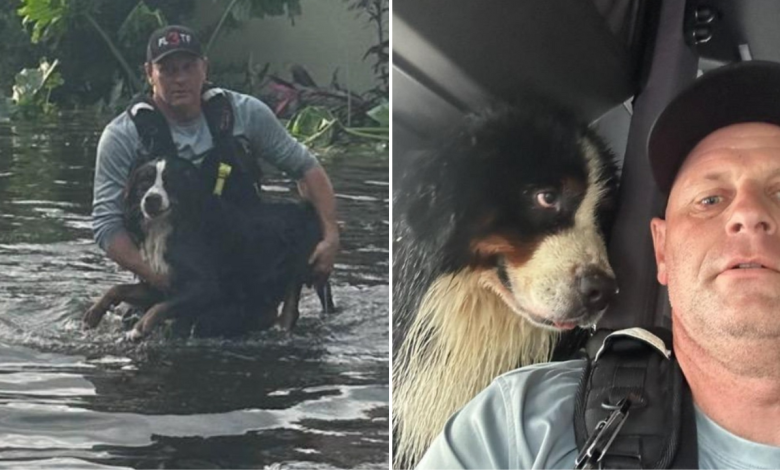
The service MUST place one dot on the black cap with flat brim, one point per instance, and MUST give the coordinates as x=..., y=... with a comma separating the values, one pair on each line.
x=732, y=94
x=172, y=39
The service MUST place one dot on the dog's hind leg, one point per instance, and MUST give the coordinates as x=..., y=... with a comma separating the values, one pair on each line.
x=325, y=294
x=290, y=313
x=136, y=294
x=151, y=318
x=198, y=296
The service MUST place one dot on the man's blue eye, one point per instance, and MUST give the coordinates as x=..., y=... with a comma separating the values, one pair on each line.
x=710, y=200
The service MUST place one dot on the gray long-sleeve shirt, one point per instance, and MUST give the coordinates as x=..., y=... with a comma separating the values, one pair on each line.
x=525, y=419
x=120, y=145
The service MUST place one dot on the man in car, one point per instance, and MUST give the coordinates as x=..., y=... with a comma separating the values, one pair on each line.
x=715, y=153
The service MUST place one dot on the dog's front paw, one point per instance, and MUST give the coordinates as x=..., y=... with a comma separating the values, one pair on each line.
x=134, y=335
x=94, y=315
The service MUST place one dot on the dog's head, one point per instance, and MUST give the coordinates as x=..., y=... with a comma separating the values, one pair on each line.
x=160, y=190
x=524, y=197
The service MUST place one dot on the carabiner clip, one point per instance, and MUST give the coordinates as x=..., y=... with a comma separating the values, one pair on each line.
x=606, y=431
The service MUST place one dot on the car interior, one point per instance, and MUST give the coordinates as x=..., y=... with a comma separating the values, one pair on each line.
x=615, y=63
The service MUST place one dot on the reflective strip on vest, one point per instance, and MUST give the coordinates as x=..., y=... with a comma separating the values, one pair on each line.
x=211, y=93
x=139, y=106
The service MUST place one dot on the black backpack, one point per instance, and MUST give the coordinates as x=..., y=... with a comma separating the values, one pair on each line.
x=634, y=408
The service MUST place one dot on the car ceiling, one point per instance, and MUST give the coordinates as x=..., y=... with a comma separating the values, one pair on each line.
x=451, y=57
x=456, y=56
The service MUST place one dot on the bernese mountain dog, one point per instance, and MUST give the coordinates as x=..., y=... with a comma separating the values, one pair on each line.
x=498, y=247
x=229, y=267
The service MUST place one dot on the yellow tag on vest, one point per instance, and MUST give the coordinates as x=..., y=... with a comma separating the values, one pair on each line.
x=222, y=174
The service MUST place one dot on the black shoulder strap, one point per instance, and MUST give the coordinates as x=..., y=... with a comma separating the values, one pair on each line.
x=219, y=113
x=156, y=134
x=220, y=117
x=633, y=407
x=152, y=128
x=218, y=166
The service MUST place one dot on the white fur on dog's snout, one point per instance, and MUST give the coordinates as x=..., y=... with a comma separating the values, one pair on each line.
x=157, y=188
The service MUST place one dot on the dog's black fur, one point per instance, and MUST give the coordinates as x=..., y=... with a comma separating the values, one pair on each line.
x=470, y=215
x=229, y=268
x=479, y=182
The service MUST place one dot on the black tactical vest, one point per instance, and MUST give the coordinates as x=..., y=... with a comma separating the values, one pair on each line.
x=634, y=408
x=227, y=167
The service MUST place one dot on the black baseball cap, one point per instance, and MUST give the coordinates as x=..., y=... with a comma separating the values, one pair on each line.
x=165, y=41
x=732, y=94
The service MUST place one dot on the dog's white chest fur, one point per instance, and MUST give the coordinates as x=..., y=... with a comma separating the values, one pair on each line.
x=155, y=243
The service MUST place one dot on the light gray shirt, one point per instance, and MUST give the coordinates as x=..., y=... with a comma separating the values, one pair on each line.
x=524, y=419
x=120, y=144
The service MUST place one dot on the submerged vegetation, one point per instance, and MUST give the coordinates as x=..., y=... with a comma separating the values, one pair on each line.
x=95, y=49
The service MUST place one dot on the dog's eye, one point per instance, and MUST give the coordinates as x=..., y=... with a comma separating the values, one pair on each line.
x=547, y=199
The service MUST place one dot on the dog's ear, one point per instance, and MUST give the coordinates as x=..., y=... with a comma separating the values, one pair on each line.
x=427, y=197
x=132, y=204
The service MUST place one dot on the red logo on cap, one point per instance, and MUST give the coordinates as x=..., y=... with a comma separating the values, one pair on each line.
x=173, y=38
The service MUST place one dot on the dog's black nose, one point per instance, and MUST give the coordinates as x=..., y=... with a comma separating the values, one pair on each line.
x=153, y=204
x=598, y=289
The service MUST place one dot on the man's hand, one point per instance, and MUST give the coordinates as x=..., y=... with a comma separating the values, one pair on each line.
x=315, y=187
x=323, y=257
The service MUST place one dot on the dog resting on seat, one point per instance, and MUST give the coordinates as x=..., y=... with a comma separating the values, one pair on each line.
x=229, y=268
x=498, y=247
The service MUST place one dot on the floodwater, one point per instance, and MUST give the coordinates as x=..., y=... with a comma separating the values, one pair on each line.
x=70, y=398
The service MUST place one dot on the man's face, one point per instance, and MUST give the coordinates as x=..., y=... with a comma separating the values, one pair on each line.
x=177, y=80
x=719, y=248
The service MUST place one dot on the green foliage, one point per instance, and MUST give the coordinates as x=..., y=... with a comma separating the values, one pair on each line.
x=115, y=102
x=52, y=19
x=244, y=10
x=140, y=22
x=313, y=125
x=100, y=42
x=48, y=17
x=377, y=11
x=33, y=88
x=372, y=133
x=381, y=113
x=319, y=127
x=16, y=50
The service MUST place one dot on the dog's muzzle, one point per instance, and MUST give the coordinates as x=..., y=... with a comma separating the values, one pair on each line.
x=153, y=205
x=597, y=289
